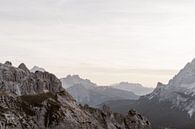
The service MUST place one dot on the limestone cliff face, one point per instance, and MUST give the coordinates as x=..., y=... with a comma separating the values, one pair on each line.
x=20, y=81
x=38, y=101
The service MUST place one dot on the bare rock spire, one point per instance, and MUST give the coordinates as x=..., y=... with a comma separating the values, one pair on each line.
x=23, y=67
x=8, y=63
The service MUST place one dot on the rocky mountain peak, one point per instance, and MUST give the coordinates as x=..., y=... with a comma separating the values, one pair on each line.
x=8, y=63
x=38, y=101
x=72, y=80
x=185, y=78
x=23, y=67
x=184, y=81
x=36, y=68
x=180, y=90
x=160, y=86
x=20, y=81
x=78, y=79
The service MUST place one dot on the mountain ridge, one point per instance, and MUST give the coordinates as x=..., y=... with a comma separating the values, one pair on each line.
x=179, y=89
x=133, y=87
x=87, y=92
x=38, y=101
x=170, y=105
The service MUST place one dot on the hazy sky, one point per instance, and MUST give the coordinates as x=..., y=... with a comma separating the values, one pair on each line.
x=107, y=41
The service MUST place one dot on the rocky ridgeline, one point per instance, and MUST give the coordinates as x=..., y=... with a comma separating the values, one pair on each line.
x=172, y=105
x=38, y=101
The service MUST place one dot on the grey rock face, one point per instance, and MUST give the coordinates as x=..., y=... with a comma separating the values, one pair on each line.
x=172, y=105
x=180, y=90
x=20, y=81
x=23, y=67
x=38, y=101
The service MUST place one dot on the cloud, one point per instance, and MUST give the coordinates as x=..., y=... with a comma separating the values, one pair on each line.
x=127, y=34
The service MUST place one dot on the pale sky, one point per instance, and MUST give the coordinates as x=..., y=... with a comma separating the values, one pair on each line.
x=106, y=41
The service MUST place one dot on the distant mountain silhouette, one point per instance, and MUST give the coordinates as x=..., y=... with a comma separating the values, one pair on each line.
x=133, y=87
x=86, y=92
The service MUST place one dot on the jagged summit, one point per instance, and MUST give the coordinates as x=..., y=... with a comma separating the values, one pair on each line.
x=185, y=78
x=72, y=80
x=78, y=79
x=38, y=101
x=20, y=81
x=8, y=63
x=180, y=90
x=36, y=68
x=171, y=105
x=23, y=67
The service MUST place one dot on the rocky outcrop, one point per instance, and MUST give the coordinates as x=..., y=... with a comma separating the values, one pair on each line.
x=20, y=81
x=110, y=120
x=36, y=68
x=38, y=101
x=23, y=67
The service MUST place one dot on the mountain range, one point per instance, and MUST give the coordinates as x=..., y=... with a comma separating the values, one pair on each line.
x=136, y=88
x=170, y=105
x=37, y=100
x=86, y=92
